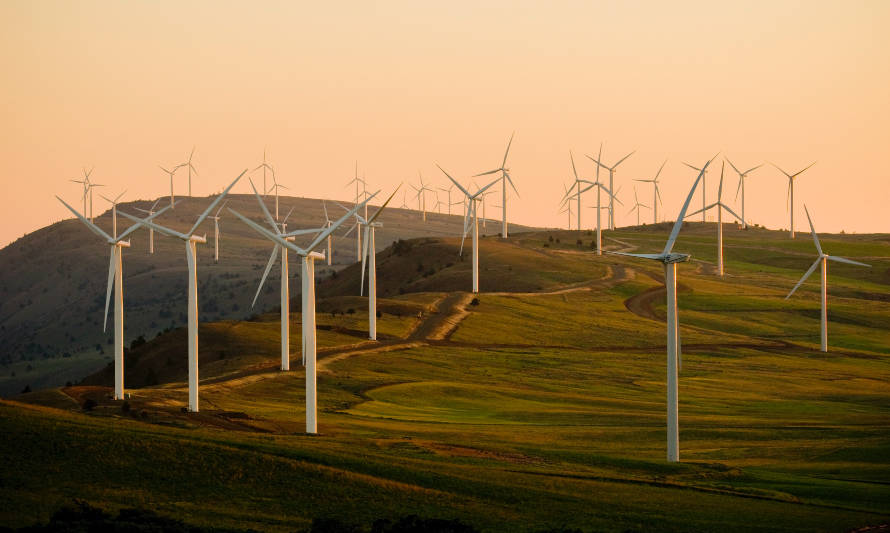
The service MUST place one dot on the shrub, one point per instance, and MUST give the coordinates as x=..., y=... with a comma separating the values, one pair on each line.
x=27, y=389
x=125, y=407
x=89, y=404
x=474, y=301
x=138, y=341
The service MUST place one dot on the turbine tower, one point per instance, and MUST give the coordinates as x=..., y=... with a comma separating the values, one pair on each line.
x=791, y=190
x=448, y=192
x=670, y=260
x=704, y=189
x=170, y=173
x=599, y=207
x=656, y=196
x=505, y=177
x=115, y=277
x=370, y=256
x=265, y=166
x=822, y=261
x=308, y=278
x=327, y=224
x=216, y=232
x=637, y=206
x=275, y=187
x=421, y=195
x=471, y=217
x=358, y=236
x=720, y=207
x=151, y=233
x=190, y=240
x=191, y=168
x=113, y=211
x=741, y=187
x=611, y=183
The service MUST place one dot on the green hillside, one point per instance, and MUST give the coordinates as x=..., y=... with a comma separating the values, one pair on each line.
x=537, y=404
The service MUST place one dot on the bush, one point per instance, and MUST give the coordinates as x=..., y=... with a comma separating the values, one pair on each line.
x=474, y=301
x=125, y=407
x=379, y=314
x=350, y=311
x=138, y=341
x=27, y=389
x=89, y=404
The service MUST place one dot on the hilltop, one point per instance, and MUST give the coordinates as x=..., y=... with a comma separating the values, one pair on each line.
x=52, y=281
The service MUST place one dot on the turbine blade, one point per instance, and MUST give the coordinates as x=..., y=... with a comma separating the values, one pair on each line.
x=654, y=257
x=382, y=207
x=327, y=231
x=805, y=276
x=733, y=166
x=659, y=170
x=507, y=151
x=848, y=261
x=287, y=215
x=263, y=207
x=92, y=227
x=157, y=227
x=487, y=173
x=274, y=237
x=269, y=264
x=149, y=218
x=221, y=208
x=112, y=264
x=733, y=213
x=622, y=160
x=365, y=251
x=507, y=174
x=453, y=181
x=813, y=230
x=802, y=171
x=215, y=203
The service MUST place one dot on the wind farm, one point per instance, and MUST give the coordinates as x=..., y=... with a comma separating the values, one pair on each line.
x=491, y=337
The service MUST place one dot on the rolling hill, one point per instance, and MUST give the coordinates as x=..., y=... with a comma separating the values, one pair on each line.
x=536, y=404
x=52, y=282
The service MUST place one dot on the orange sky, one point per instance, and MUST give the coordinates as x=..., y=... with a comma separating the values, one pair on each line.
x=125, y=86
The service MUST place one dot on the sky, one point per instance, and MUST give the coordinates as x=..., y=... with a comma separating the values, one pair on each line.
x=400, y=86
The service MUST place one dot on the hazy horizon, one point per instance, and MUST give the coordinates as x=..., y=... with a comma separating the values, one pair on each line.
x=398, y=87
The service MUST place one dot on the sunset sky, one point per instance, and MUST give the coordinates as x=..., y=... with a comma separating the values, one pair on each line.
x=399, y=86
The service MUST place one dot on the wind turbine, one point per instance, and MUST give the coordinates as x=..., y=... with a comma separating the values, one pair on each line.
x=670, y=260
x=370, y=256
x=115, y=277
x=505, y=177
x=471, y=213
x=358, y=235
x=265, y=166
x=151, y=232
x=611, y=183
x=85, y=183
x=637, y=206
x=421, y=195
x=599, y=208
x=741, y=187
x=216, y=232
x=308, y=294
x=704, y=190
x=170, y=173
x=656, y=196
x=568, y=205
x=191, y=168
x=791, y=190
x=113, y=211
x=275, y=187
x=576, y=184
x=720, y=207
x=190, y=240
x=448, y=192
x=327, y=224
x=822, y=261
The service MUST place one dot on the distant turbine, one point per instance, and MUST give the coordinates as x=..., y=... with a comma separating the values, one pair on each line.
x=216, y=232
x=275, y=187
x=151, y=232
x=327, y=221
x=656, y=196
x=791, y=190
x=741, y=187
x=576, y=185
x=611, y=184
x=265, y=166
x=471, y=214
x=113, y=211
x=308, y=293
x=637, y=206
x=358, y=235
x=720, y=207
x=371, y=255
x=421, y=195
x=448, y=192
x=568, y=205
x=170, y=173
x=599, y=207
x=85, y=183
x=115, y=276
x=505, y=177
x=822, y=261
x=190, y=240
x=670, y=260
x=191, y=168
x=704, y=190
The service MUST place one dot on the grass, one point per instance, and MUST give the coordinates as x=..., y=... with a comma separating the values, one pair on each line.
x=544, y=409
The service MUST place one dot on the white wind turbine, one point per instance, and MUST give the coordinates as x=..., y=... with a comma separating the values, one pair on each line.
x=791, y=190
x=421, y=195
x=85, y=183
x=611, y=182
x=448, y=192
x=568, y=205
x=370, y=257
x=275, y=187
x=115, y=277
x=670, y=260
x=190, y=240
x=637, y=206
x=471, y=217
x=720, y=207
x=327, y=224
x=113, y=211
x=191, y=168
x=505, y=177
x=216, y=232
x=600, y=188
x=704, y=190
x=358, y=235
x=741, y=187
x=656, y=196
x=822, y=261
x=308, y=294
x=576, y=185
x=265, y=166
x=151, y=233
x=279, y=229
x=170, y=173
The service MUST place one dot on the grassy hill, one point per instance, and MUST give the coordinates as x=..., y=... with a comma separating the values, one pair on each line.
x=542, y=406
x=52, y=282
